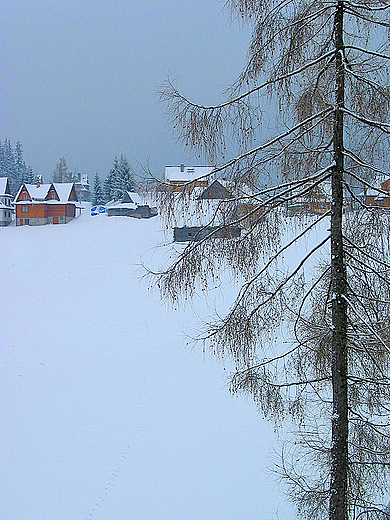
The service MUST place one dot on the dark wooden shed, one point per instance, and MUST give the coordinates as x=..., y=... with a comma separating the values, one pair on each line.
x=195, y=233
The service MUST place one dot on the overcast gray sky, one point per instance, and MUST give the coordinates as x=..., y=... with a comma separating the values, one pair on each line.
x=78, y=77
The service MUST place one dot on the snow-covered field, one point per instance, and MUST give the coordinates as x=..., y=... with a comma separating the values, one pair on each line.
x=106, y=412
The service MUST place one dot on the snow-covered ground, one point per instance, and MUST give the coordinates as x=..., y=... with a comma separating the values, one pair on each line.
x=106, y=412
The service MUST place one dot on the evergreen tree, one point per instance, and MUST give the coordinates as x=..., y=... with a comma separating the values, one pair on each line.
x=24, y=173
x=107, y=188
x=97, y=193
x=9, y=168
x=119, y=180
x=14, y=167
x=28, y=176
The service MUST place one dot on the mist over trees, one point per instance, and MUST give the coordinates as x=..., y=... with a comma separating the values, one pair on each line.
x=325, y=66
x=61, y=174
x=121, y=177
x=13, y=166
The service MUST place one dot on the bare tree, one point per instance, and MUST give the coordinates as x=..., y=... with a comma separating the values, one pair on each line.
x=324, y=65
x=61, y=174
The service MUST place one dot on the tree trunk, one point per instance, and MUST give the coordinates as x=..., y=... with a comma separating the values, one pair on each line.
x=339, y=453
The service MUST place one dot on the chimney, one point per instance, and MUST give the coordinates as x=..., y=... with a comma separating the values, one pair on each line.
x=182, y=168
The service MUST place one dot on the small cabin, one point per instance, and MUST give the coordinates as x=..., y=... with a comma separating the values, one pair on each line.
x=130, y=205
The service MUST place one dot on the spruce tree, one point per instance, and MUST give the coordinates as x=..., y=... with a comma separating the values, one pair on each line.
x=10, y=169
x=107, y=188
x=97, y=193
x=14, y=167
x=119, y=180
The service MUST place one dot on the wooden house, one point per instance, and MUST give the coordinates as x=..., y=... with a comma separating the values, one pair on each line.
x=189, y=177
x=378, y=199
x=6, y=206
x=130, y=205
x=204, y=215
x=316, y=201
x=39, y=204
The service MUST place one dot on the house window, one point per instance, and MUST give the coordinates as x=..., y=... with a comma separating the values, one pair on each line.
x=24, y=209
x=24, y=197
x=27, y=221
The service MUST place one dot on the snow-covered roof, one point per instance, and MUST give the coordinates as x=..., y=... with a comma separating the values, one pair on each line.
x=63, y=190
x=38, y=192
x=134, y=200
x=376, y=193
x=186, y=173
x=3, y=185
x=135, y=197
x=4, y=206
x=119, y=204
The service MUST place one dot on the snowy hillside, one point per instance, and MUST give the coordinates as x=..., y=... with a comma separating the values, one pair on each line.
x=107, y=413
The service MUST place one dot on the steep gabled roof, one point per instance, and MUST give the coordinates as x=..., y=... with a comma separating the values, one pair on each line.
x=64, y=190
x=132, y=196
x=4, y=186
x=39, y=192
x=216, y=190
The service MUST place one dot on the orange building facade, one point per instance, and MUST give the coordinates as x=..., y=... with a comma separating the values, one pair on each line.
x=41, y=204
x=183, y=177
x=379, y=199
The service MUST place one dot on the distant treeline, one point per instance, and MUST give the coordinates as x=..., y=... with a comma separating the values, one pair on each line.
x=13, y=166
x=119, y=179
